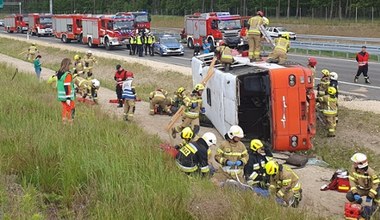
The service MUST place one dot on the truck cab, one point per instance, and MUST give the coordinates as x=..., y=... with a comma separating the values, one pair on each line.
x=273, y=103
x=40, y=24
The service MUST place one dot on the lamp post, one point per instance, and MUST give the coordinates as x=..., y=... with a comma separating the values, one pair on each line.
x=51, y=6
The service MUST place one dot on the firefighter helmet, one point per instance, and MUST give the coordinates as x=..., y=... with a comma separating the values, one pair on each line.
x=285, y=35
x=187, y=133
x=221, y=43
x=210, y=138
x=76, y=57
x=312, y=61
x=325, y=72
x=235, y=131
x=89, y=52
x=256, y=144
x=199, y=87
x=331, y=90
x=180, y=90
x=334, y=76
x=95, y=83
x=272, y=167
x=260, y=13
x=360, y=160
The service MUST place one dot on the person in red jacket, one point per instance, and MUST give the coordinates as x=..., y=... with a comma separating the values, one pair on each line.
x=362, y=58
x=120, y=77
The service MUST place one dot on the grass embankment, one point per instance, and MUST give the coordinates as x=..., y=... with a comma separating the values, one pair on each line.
x=99, y=168
x=147, y=79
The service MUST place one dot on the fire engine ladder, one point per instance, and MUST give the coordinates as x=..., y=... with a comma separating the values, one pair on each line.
x=266, y=35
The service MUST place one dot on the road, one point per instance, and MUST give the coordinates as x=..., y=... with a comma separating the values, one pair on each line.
x=345, y=68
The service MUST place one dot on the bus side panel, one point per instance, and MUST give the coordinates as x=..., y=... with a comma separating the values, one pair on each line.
x=230, y=100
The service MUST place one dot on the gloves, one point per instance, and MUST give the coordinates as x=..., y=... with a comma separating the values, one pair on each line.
x=358, y=198
x=203, y=110
x=194, y=105
x=368, y=199
x=230, y=163
x=238, y=163
x=68, y=102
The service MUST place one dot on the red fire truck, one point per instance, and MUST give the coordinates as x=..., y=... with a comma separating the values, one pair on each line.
x=40, y=24
x=107, y=30
x=141, y=19
x=68, y=27
x=16, y=23
x=213, y=26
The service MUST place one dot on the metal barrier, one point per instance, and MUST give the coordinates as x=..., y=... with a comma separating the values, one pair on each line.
x=363, y=40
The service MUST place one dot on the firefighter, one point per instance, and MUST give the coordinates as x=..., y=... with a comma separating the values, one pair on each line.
x=279, y=54
x=89, y=61
x=129, y=96
x=132, y=45
x=32, y=51
x=194, y=107
x=224, y=55
x=66, y=91
x=323, y=86
x=254, y=36
x=120, y=77
x=87, y=87
x=232, y=153
x=284, y=184
x=363, y=181
x=254, y=170
x=187, y=135
x=139, y=44
x=330, y=111
x=334, y=81
x=206, y=47
x=312, y=64
x=159, y=98
x=362, y=58
x=78, y=65
x=192, y=158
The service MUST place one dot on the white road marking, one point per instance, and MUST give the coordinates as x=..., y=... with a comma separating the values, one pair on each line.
x=356, y=84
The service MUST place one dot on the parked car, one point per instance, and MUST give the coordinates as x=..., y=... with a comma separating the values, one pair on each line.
x=277, y=31
x=1, y=23
x=168, y=45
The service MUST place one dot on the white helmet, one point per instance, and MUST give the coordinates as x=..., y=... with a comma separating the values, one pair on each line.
x=210, y=138
x=89, y=52
x=333, y=75
x=235, y=131
x=360, y=160
x=95, y=83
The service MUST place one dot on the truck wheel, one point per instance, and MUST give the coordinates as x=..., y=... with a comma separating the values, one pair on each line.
x=90, y=42
x=190, y=43
x=107, y=44
x=64, y=38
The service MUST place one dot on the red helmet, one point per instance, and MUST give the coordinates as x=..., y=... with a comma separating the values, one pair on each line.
x=312, y=61
x=260, y=13
x=129, y=75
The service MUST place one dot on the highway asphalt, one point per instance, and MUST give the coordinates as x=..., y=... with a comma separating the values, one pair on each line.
x=345, y=68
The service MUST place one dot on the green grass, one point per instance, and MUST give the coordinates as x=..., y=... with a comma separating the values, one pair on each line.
x=100, y=168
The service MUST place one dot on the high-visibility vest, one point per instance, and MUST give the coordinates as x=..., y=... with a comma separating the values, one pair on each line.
x=150, y=40
x=138, y=40
x=132, y=40
x=282, y=44
x=61, y=89
x=254, y=24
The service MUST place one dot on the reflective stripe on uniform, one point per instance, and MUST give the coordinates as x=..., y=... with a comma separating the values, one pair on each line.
x=286, y=182
x=192, y=115
x=351, y=178
x=373, y=191
x=253, y=176
x=280, y=194
x=357, y=176
x=186, y=169
x=297, y=187
x=256, y=166
x=205, y=169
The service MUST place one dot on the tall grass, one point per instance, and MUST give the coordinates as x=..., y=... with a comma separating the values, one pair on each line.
x=99, y=168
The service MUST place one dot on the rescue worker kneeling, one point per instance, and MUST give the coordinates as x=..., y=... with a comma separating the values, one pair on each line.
x=187, y=135
x=159, y=98
x=192, y=158
x=330, y=111
x=364, y=182
x=224, y=55
x=87, y=87
x=284, y=184
x=279, y=54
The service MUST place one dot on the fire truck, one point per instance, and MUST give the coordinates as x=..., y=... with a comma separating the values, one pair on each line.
x=40, y=24
x=107, y=30
x=68, y=27
x=213, y=26
x=16, y=23
x=142, y=19
x=273, y=103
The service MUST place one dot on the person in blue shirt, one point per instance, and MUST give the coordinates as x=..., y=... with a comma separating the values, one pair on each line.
x=206, y=47
x=37, y=66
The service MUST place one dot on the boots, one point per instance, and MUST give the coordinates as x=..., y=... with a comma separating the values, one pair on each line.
x=120, y=104
x=367, y=80
x=356, y=79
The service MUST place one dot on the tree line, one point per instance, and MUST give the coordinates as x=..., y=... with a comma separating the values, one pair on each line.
x=279, y=8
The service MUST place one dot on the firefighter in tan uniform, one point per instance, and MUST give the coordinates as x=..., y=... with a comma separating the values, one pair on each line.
x=284, y=184
x=254, y=36
x=330, y=111
x=32, y=51
x=224, y=55
x=363, y=181
x=89, y=61
x=232, y=154
x=159, y=97
x=323, y=86
x=312, y=65
x=279, y=54
x=190, y=117
x=78, y=65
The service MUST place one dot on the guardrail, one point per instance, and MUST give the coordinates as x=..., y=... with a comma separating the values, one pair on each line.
x=363, y=40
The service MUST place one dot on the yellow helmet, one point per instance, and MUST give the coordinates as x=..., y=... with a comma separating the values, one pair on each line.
x=331, y=90
x=325, y=72
x=199, y=87
x=180, y=90
x=272, y=167
x=76, y=57
x=256, y=144
x=285, y=35
x=187, y=133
